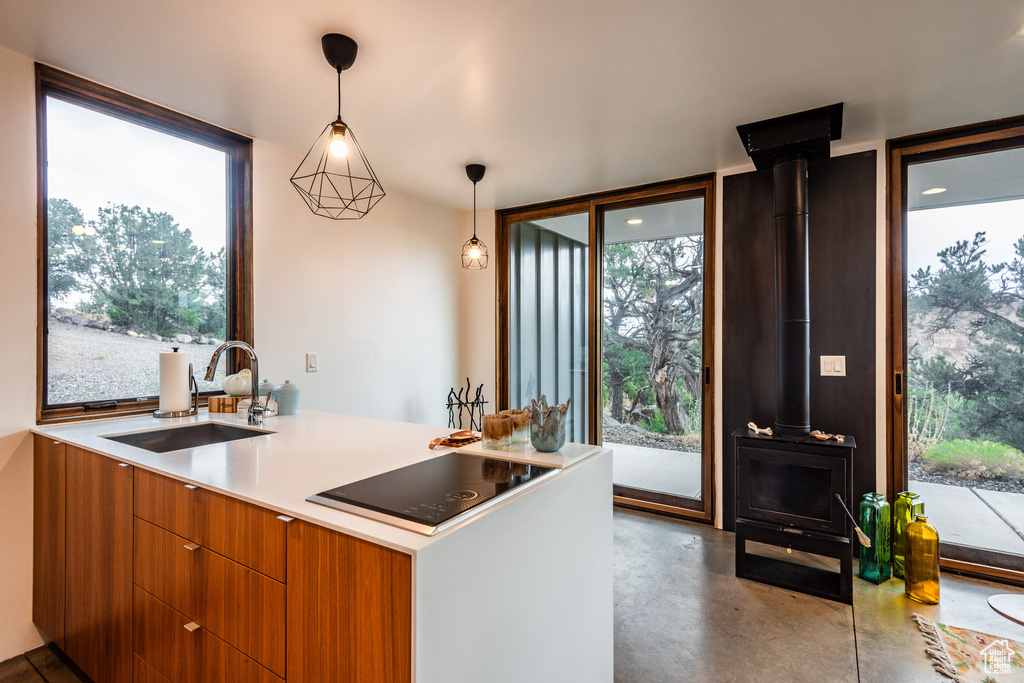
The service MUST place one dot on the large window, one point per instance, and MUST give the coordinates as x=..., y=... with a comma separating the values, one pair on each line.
x=604, y=300
x=144, y=245
x=957, y=301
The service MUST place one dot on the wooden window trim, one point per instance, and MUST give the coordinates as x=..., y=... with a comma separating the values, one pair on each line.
x=594, y=206
x=238, y=148
x=900, y=154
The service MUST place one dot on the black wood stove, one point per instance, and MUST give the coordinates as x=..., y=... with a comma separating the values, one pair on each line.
x=785, y=497
x=786, y=483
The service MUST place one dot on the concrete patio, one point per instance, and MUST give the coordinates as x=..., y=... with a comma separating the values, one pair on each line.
x=656, y=469
x=993, y=520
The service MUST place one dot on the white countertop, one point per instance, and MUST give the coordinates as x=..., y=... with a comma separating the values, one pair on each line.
x=306, y=454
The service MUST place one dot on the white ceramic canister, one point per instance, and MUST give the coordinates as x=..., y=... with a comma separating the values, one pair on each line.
x=287, y=396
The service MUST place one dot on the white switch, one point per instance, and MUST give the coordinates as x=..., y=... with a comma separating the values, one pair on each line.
x=833, y=366
x=311, y=362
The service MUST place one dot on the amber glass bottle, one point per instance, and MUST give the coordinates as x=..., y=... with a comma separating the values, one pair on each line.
x=922, y=563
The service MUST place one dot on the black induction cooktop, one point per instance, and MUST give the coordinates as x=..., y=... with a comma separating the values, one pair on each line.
x=434, y=494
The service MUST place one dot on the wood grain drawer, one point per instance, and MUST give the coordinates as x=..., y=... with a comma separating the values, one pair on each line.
x=243, y=532
x=162, y=640
x=165, y=566
x=243, y=607
x=144, y=673
x=235, y=603
x=165, y=502
x=221, y=663
x=170, y=650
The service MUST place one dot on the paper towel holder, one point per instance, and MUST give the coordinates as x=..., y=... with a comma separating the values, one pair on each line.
x=194, y=390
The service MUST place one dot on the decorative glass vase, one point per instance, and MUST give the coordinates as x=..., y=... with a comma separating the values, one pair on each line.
x=547, y=425
x=908, y=506
x=874, y=521
x=496, y=432
x=922, y=567
x=520, y=425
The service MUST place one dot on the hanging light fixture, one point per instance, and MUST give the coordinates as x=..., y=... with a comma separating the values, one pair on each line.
x=474, y=252
x=335, y=179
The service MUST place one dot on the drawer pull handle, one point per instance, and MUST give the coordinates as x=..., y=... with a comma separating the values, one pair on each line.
x=56, y=443
x=191, y=487
x=192, y=627
x=192, y=546
x=123, y=464
x=285, y=518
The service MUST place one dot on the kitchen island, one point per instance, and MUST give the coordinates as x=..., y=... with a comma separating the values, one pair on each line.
x=521, y=591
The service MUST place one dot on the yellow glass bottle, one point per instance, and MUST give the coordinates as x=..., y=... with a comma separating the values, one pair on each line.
x=922, y=564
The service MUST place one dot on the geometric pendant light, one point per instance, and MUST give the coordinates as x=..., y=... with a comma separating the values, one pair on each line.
x=334, y=178
x=474, y=252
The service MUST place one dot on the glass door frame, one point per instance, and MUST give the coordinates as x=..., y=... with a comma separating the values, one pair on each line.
x=901, y=153
x=594, y=206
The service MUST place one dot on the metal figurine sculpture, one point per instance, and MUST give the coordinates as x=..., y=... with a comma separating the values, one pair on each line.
x=475, y=407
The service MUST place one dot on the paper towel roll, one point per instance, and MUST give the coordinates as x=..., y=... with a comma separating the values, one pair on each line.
x=174, y=382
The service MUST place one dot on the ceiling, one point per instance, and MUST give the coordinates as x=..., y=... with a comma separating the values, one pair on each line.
x=556, y=98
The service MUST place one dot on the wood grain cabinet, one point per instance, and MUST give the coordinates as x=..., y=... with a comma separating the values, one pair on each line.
x=205, y=567
x=98, y=565
x=349, y=609
x=48, y=518
x=142, y=575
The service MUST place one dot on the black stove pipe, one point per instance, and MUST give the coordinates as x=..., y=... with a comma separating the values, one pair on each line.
x=785, y=144
x=792, y=302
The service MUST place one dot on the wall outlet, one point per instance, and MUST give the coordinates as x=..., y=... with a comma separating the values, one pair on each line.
x=311, y=362
x=833, y=366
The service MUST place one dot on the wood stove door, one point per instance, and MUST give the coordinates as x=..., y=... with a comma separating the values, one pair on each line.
x=792, y=486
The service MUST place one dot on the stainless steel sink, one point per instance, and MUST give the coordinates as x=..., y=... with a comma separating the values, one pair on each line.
x=191, y=436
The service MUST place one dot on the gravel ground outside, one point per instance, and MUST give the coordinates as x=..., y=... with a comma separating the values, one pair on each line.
x=918, y=473
x=86, y=364
x=631, y=435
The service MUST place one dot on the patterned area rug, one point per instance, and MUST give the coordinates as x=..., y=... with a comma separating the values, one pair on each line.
x=968, y=656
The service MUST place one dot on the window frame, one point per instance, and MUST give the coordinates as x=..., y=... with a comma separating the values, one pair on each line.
x=238, y=245
x=595, y=205
x=901, y=153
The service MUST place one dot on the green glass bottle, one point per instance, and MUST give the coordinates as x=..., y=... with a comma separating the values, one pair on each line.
x=908, y=505
x=922, y=566
x=874, y=522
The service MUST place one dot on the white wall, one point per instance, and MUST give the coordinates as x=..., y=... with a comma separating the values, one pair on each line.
x=17, y=349
x=477, y=311
x=377, y=299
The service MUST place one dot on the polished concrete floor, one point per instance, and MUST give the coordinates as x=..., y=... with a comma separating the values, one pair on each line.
x=682, y=615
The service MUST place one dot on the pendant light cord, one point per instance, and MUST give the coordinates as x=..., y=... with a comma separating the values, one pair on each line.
x=339, y=94
x=474, y=209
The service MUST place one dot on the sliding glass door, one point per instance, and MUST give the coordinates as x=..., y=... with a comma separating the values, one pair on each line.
x=652, y=341
x=618, y=282
x=957, y=297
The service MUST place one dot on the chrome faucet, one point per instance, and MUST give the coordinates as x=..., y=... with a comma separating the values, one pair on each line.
x=255, y=408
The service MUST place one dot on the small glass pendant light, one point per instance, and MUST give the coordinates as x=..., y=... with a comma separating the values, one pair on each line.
x=474, y=252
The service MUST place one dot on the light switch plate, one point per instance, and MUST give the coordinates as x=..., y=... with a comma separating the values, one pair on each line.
x=311, y=362
x=833, y=366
